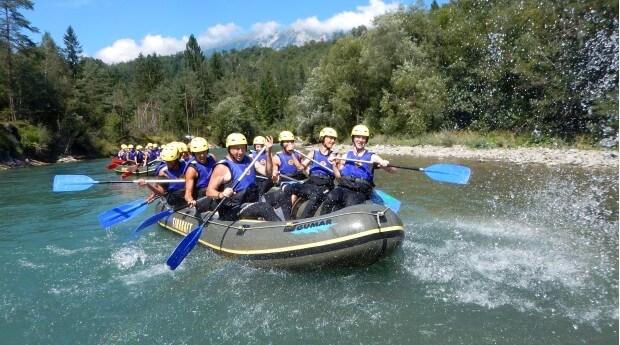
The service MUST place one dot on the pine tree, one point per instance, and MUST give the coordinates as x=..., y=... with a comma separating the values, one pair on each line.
x=72, y=51
x=192, y=56
x=12, y=25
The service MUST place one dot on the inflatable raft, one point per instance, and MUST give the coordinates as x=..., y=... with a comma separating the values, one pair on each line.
x=354, y=236
x=149, y=170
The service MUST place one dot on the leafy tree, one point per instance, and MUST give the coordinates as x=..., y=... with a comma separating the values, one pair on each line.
x=232, y=115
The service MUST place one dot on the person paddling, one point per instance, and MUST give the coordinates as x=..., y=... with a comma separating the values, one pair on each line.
x=287, y=161
x=198, y=173
x=242, y=201
x=356, y=181
x=173, y=169
x=321, y=174
x=263, y=182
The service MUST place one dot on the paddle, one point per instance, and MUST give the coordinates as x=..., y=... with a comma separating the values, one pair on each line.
x=163, y=214
x=444, y=172
x=377, y=196
x=116, y=162
x=137, y=168
x=73, y=183
x=123, y=213
x=189, y=242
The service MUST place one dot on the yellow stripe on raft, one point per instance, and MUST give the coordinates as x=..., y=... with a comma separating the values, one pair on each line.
x=291, y=248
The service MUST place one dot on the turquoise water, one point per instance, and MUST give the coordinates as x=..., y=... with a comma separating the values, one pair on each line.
x=522, y=254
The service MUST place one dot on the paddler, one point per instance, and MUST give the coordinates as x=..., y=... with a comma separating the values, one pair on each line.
x=321, y=171
x=263, y=182
x=173, y=169
x=198, y=172
x=242, y=202
x=356, y=181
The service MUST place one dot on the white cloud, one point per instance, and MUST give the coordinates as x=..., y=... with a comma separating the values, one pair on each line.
x=265, y=29
x=218, y=33
x=347, y=20
x=127, y=49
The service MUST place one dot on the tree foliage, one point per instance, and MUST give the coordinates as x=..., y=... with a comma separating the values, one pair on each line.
x=523, y=67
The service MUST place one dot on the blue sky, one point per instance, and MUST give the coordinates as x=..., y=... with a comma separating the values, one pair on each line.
x=118, y=30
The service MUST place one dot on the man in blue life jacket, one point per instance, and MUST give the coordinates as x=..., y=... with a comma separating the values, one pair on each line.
x=183, y=149
x=287, y=161
x=321, y=176
x=287, y=169
x=198, y=172
x=172, y=170
x=121, y=153
x=356, y=180
x=263, y=182
x=151, y=155
x=242, y=201
x=131, y=155
x=139, y=158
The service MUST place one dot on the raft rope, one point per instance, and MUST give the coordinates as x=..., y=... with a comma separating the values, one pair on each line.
x=376, y=215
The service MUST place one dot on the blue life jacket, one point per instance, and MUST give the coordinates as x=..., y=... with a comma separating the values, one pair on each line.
x=316, y=169
x=139, y=157
x=287, y=166
x=363, y=171
x=236, y=169
x=204, y=171
x=173, y=175
x=262, y=159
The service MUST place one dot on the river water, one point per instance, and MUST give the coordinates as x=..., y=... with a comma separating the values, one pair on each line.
x=523, y=254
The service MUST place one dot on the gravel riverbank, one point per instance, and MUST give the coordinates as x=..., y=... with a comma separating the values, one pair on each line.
x=585, y=158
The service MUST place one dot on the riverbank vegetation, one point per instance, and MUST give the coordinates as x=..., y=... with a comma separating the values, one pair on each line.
x=475, y=73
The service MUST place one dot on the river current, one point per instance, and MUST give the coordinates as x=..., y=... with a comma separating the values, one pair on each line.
x=522, y=254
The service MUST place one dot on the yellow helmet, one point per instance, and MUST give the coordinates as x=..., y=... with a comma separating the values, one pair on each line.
x=259, y=140
x=182, y=147
x=170, y=153
x=286, y=136
x=123, y=146
x=236, y=139
x=361, y=131
x=329, y=132
x=154, y=145
x=139, y=147
x=198, y=144
x=149, y=145
x=130, y=146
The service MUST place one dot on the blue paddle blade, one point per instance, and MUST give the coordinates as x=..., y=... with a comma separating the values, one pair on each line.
x=72, y=183
x=185, y=246
x=122, y=213
x=450, y=173
x=383, y=198
x=152, y=220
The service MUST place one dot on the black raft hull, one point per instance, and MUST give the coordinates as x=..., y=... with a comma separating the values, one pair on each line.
x=354, y=236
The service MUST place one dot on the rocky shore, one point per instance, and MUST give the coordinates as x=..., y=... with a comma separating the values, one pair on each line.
x=574, y=157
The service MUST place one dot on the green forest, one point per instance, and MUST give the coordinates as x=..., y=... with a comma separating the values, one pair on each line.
x=531, y=68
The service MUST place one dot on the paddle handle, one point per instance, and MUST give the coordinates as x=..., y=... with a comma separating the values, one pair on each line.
x=389, y=165
x=405, y=167
x=189, y=241
x=315, y=161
